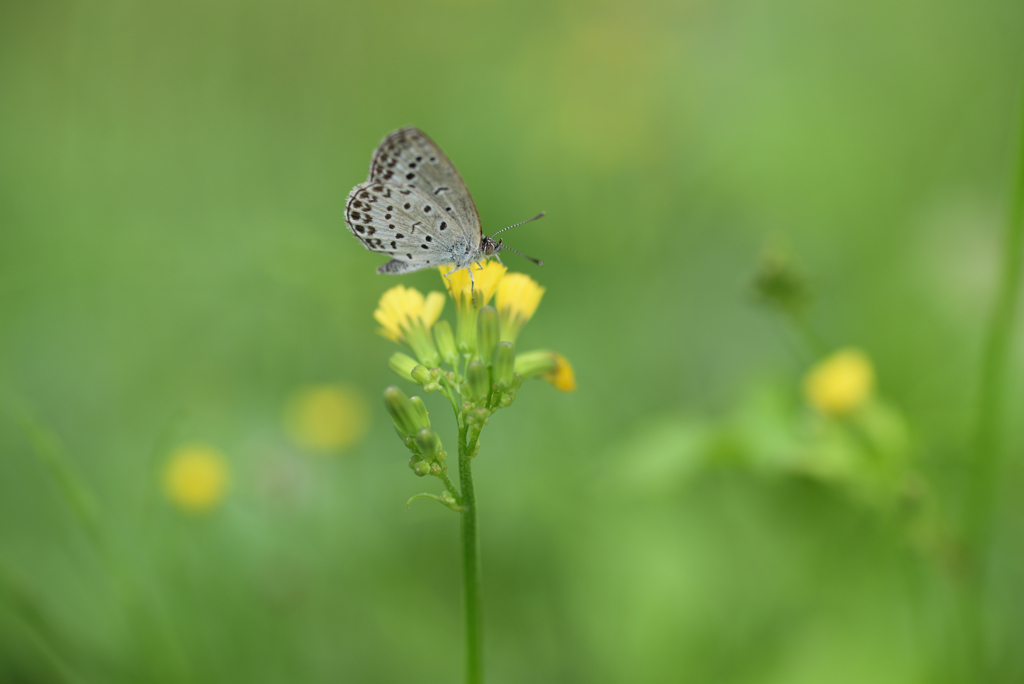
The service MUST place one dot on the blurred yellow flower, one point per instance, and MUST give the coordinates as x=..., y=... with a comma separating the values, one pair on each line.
x=401, y=308
x=195, y=477
x=840, y=383
x=325, y=418
x=562, y=377
x=483, y=285
x=517, y=299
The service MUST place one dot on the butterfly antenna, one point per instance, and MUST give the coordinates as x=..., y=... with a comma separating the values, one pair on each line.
x=540, y=215
x=502, y=246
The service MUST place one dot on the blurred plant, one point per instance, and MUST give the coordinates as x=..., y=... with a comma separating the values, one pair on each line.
x=476, y=367
x=196, y=478
x=853, y=439
x=327, y=418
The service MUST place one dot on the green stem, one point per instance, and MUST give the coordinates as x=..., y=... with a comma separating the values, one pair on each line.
x=452, y=489
x=450, y=392
x=470, y=565
x=992, y=395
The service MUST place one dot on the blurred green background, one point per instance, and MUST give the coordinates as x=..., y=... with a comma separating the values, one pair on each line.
x=174, y=266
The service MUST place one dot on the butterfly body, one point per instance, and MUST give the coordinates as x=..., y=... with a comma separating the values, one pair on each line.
x=416, y=208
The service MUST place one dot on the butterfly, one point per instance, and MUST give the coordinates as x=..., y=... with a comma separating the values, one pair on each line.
x=416, y=208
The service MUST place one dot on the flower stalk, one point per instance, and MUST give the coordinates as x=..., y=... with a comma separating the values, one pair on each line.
x=476, y=368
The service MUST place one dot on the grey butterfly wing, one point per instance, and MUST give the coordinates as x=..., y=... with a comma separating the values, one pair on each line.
x=410, y=159
x=408, y=225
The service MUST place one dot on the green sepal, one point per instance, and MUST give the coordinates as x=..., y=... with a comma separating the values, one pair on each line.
x=488, y=332
x=446, y=343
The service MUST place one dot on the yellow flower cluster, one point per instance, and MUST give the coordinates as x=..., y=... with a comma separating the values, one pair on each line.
x=407, y=316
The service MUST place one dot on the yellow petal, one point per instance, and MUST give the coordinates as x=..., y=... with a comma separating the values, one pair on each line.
x=518, y=297
x=432, y=308
x=563, y=377
x=487, y=281
x=483, y=282
x=400, y=306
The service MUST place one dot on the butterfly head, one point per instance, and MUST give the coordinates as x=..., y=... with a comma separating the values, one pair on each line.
x=489, y=247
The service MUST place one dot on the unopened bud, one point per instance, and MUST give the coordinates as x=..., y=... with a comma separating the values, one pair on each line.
x=421, y=468
x=429, y=443
x=478, y=380
x=504, y=363
x=420, y=415
x=401, y=410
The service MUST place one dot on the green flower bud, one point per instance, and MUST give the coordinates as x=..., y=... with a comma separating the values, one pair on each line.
x=421, y=417
x=402, y=411
x=446, y=342
x=478, y=380
x=488, y=333
x=429, y=443
x=421, y=468
x=407, y=367
x=504, y=362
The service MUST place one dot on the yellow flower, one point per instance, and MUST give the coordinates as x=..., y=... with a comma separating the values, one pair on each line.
x=401, y=308
x=325, y=418
x=518, y=298
x=562, y=377
x=841, y=383
x=406, y=316
x=195, y=477
x=547, y=365
x=484, y=283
